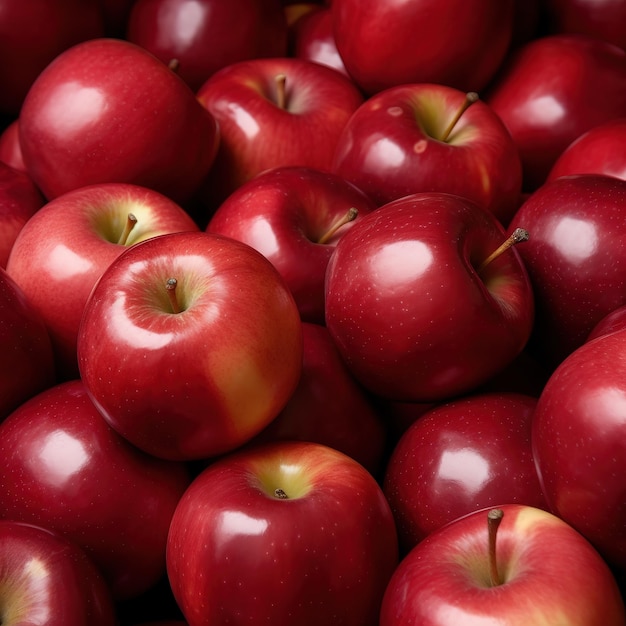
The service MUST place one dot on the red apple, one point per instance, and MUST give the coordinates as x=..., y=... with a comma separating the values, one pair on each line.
x=535, y=570
x=61, y=252
x=190, y=344
x=65, y=469
x=417, y=308
x=203, y=36
x=10, y=149
x=106, y=110
x=46, y=579
x=610, y=323
x=553, y=89
x=294, y=216
x=463, y=455
x=410, y=139
x=292, y=533
x=449, y=42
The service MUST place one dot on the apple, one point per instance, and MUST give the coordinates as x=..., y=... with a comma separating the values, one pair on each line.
x=294, y=216
x=61, y=251
x=203, y=36
x=553, y=89
x=579, y=443
x=449, y=42
x=574, y=258
x=287, y=533
x=46, y=579
x=424, y=302
x=426, y=137
x=273, y=113
x=532, y=569
x=466, y=454
x=106, y=110
x=610, y=323
x=190, y=344
x=65, y=469
x=10, y=149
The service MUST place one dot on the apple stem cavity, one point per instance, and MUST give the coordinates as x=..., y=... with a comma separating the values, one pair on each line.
x=281, y=91
x=470, y=98
x=131, y=222
x=519, y=235
x=280, y=494
x=494, y=517
x=170, y=287
x=349, y=216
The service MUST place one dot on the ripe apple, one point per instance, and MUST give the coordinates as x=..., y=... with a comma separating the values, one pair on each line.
x=190, y=344
x=288, y=533
x=106, y=110
x=46, y=579
x=62, y=250
x=466, y=454
x=62, y=467
x=533, y=569
x=419, y=307
x=294, y=216
x=427, y=137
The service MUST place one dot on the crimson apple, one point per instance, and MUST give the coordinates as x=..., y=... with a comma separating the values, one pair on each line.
x=282, y=534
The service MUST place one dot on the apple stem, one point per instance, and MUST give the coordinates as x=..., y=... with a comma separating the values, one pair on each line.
x=131, y=221
x=170, y=287
x=281, y=91
x=349, y=216
x=470, y=98
x=280, y=494
x=494, y=517
x=517, y=236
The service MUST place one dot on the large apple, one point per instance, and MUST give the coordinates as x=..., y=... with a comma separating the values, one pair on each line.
x=284, y=534
x=427, y=137
x=190, y=344
x=532, y=569
x=419, y=307
x=106, y=110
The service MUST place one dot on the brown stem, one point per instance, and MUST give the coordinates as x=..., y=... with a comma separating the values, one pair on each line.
x=470, y=98
x=131, y=221
x=349, y=216
x=494, y=517
x=517, y=236
x=281, y=91
x=170, y=287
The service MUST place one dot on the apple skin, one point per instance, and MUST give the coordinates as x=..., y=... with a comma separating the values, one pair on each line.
x=393, y=146
x=610, y=323
x=463, y=455
x=579, y=435
x=106, y=110
x=407, y=309
x=207, y=35
x=573, y=258
x=444, y=581
x=65, y=469
x=283, y=213
x=553, y=89
x=61, y=252
x=225, y=365
x=46, y=579
x=237, y=553
x=10, y=149
x=384, y=44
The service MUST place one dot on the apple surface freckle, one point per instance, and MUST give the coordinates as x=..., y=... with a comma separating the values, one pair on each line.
x=420, y=146
x=395, y=111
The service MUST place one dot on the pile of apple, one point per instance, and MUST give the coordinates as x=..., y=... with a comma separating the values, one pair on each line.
x=312, y=313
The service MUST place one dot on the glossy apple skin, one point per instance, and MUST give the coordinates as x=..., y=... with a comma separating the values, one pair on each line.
x=444, y=581
x=65, y=469
x=573, y=258
x=237, y=553
x=256, y=134
x=207, y=35
x=10, y=149
x=225, y=365
x=283, y=213
x=409, y=312
x=579, y=444
x=46, y=579
x=552, y=90
x=107, y=110
x=461, y=456
x=384, y=44
x=600, y=150
x=62, y=251
x=610, y=323
x=391, y=147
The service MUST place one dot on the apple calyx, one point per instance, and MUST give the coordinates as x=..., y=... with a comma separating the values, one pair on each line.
x=131, y=222
x=280, y=494
x=170, y=287
x=494, y=517
x=470, y=98
x=281, y=90
x=349, y=216
x=517, y=236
